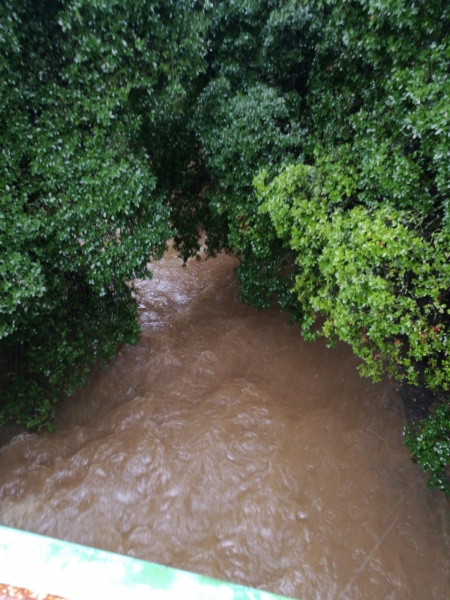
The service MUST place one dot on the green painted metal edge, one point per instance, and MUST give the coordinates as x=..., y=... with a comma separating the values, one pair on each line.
x=49, y=566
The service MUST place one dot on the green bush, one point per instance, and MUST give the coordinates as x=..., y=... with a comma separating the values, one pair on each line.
x=429, y=444
x=354, y=240
x=377, y=284
x=82, y=208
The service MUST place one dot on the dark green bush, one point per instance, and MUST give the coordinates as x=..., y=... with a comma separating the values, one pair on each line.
x=429, y=443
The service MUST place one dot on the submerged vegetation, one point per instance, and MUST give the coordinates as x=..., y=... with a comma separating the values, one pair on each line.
x=310, y=138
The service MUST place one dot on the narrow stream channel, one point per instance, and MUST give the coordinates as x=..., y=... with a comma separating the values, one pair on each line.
x=224, y=444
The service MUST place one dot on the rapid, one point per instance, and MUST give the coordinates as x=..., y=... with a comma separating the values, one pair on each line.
x=226, y=445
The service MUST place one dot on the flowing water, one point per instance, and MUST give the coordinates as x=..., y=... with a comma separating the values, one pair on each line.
x=225, y=445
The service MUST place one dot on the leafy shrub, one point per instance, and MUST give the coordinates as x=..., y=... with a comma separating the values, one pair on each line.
x=378, y=285
x=429, y=444
x=82, y=210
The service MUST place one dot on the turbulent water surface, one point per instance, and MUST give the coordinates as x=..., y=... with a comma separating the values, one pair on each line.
x=226, y=445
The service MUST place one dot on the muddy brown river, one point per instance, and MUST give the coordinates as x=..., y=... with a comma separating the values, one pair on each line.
x=226, y=445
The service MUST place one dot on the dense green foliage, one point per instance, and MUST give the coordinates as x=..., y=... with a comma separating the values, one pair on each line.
x=309, y=137
x=359, y=104
x=81, y=209
x=339, y=113
x=428, y=443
